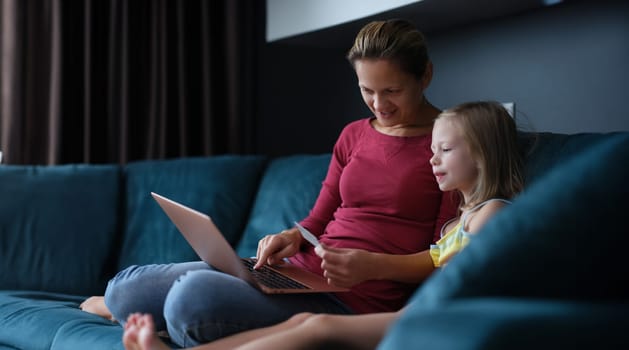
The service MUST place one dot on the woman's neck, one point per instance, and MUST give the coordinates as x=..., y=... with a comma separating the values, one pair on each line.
x=422, y=124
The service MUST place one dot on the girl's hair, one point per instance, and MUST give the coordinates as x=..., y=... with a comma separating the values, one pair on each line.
x=395, y=40
x=491, y=134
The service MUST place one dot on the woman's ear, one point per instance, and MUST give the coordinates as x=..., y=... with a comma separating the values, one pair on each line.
x=427, y=78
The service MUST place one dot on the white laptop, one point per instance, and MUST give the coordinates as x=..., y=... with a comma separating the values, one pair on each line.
x=211, y=246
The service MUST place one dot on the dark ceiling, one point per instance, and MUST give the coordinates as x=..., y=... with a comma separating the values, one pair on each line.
x=428, y=15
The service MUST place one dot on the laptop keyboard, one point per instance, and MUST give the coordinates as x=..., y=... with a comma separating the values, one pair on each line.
x=272, y=278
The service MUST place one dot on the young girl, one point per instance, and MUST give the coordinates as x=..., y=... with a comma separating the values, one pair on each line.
x=475, y=153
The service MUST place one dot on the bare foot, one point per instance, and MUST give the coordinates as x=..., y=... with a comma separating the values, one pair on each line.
x=139, y=334
x=96, y=305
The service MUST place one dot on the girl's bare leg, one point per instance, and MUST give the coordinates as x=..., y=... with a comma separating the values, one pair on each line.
x=139, y=334
x=330, y=332
x=302, y=331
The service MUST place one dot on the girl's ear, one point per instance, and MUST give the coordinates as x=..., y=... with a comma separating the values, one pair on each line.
x=479, y=164
x=427, y=78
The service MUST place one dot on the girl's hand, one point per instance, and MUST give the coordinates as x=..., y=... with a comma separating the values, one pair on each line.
x=272, y=249
x=345, y=267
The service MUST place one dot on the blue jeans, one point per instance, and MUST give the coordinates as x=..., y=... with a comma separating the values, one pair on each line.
x=197, y=304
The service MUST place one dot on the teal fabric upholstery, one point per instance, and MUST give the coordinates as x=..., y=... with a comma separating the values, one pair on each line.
x=545, y=151
x=563, y=238
x=287, y=192
x=222, y=187
x=56, y=219
x=550, y=263
x=514, y=324
x=64, y=327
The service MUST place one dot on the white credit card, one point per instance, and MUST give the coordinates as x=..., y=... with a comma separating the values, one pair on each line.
x=312, y=239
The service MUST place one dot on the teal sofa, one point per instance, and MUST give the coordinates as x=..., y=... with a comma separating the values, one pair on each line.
x=548, y=270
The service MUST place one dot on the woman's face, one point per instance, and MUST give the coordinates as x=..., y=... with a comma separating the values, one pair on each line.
x=394, y=96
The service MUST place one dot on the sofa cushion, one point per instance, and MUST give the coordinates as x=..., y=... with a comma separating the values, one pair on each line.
x=44, y=320
x=288, y=190
x=564, y=237
x=57, y=226
x=503, y=323
x=220, y=186
x=544, y=151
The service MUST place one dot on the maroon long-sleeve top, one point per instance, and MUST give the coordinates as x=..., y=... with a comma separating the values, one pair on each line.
x=379, y=195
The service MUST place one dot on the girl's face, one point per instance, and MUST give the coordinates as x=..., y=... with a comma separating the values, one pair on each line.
x=452, y=162
x=392, y=95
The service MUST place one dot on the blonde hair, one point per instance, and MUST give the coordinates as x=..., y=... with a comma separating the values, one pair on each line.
x=395, y=40
x=491, y=134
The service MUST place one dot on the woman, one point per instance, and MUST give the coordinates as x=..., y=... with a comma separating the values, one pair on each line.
x=378, y=211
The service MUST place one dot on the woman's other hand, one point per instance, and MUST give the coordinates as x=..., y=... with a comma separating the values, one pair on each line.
x=272, y=249
x=346, y=267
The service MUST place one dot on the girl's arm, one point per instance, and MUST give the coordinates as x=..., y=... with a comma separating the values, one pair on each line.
x=348, y=267
x=345, y=267
x=415, y=268
x=410, y=268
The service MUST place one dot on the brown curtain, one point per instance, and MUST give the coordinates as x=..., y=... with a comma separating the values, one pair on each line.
x=112, y=81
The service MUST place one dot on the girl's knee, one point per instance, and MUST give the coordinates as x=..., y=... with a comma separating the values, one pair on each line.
x=320, y=324
x=299, y=318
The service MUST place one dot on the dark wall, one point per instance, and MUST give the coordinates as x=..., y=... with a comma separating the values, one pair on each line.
x=307, y=95
x=564, y=66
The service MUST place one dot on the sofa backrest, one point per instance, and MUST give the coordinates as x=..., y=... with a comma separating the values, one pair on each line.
x=544, y=151
x=291, y=184
x=221, y=186
x=68, y=228
x=56, y=226
x=287, y=191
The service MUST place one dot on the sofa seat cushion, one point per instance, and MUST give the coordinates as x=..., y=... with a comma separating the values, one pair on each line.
x=58, y=225
x=43, y=320
x=221, y=186
x=287, y=191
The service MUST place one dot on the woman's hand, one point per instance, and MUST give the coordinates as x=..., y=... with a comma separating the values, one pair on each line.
x=272, y=249
x=345, y=267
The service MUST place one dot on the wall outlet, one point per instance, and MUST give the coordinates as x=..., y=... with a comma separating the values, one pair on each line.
x=510, y=107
